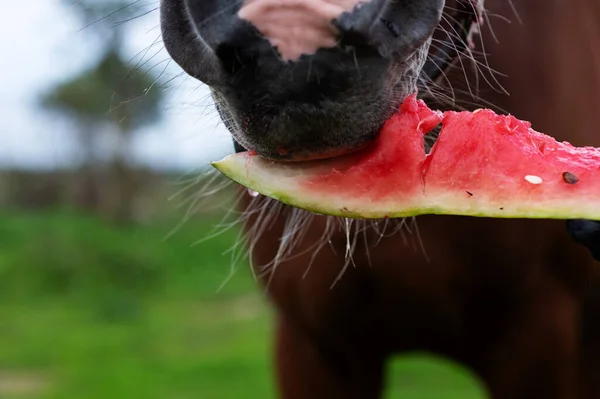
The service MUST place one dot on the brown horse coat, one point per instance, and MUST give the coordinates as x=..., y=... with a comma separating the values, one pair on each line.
x=516, y=301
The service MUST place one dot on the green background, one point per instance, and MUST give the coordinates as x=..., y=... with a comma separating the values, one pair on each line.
x=96, y=310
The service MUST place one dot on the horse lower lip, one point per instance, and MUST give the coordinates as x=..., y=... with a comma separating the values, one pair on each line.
x=316, y=156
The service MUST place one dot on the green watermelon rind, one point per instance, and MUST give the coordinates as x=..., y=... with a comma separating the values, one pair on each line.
x=255, y=176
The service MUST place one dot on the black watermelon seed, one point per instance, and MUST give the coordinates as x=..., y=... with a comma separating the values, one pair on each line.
x=570, y=177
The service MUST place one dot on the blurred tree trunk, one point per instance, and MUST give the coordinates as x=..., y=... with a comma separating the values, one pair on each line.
x=122, y=183
x=87, y=181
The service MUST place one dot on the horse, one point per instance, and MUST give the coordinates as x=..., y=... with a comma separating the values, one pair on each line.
x=516, y=301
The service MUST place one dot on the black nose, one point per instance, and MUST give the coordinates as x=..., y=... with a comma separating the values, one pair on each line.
x=193, y=30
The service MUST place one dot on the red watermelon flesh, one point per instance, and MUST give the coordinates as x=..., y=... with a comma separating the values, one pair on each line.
x=482, y=164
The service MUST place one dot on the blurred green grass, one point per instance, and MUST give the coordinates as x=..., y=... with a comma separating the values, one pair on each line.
x=89, y=310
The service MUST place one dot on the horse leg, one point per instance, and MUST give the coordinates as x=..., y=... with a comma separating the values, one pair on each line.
x=538, y=355
x=308, y=367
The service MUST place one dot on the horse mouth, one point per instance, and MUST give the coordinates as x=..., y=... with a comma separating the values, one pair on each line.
x=465, y=23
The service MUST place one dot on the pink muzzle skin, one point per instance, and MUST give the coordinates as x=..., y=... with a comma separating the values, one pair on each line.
x=296, y=27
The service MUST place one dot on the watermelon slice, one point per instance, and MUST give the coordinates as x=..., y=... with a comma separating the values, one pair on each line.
x=483, y=164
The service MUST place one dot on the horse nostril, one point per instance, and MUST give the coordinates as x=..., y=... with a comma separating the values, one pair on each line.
x=392, y=27
x=237, y=49
x=395, y=27
x=355, y=26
